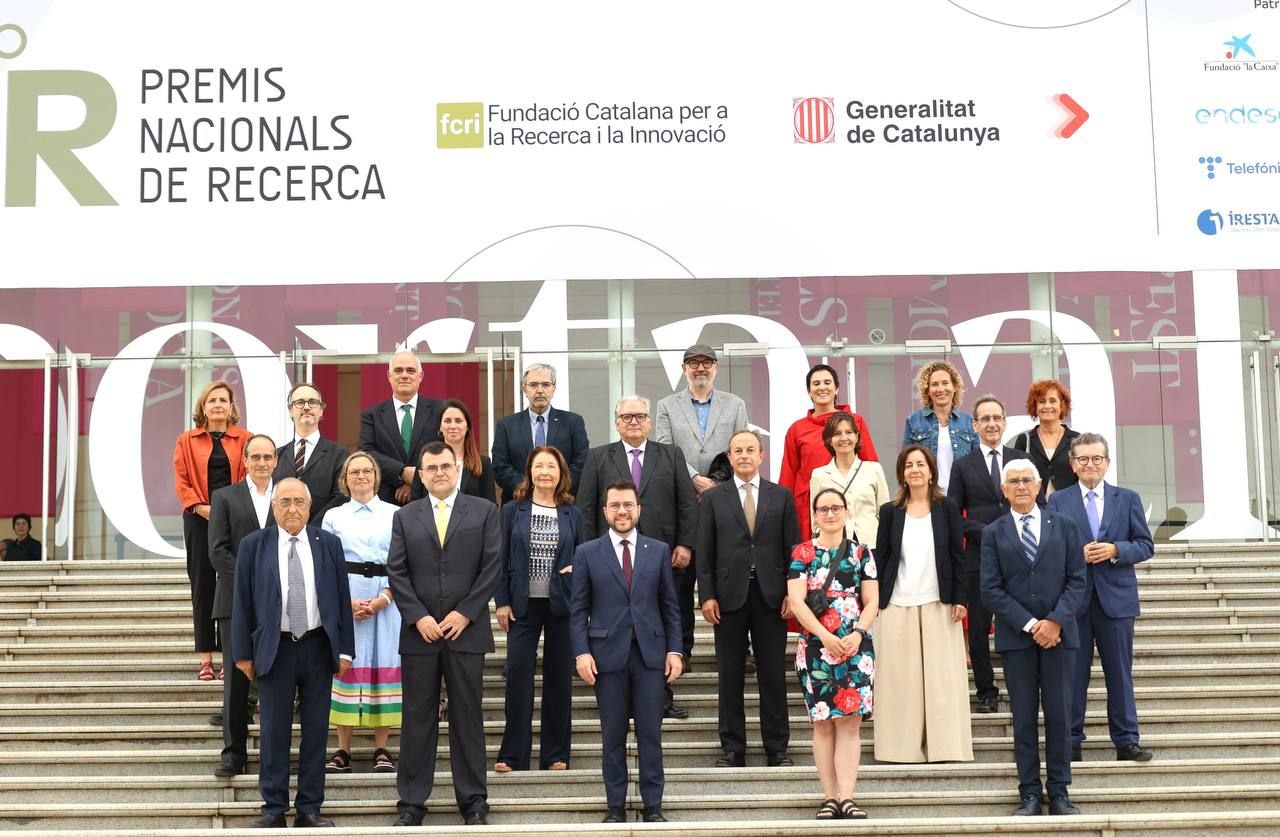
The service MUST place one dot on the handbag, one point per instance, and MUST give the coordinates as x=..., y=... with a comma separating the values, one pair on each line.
x=817, y=600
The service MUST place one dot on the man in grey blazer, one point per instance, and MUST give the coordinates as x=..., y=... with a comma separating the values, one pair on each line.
x=699, y=420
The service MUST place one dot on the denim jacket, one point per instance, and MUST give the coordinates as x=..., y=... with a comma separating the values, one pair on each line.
x=921, y=428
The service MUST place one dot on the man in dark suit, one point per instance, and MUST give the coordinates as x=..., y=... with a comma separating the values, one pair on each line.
x=443, y=568
x=236, y=512
x=624, y=625
x=1033, y=580
x=669, y=506
x=1115, y=524
x=975, y=487
x=310, y=457
x=746, y=529
x=394, y=430
x=514, y=436
x=292, y=628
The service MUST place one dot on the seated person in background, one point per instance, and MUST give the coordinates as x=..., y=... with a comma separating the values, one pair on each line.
x=23, y=547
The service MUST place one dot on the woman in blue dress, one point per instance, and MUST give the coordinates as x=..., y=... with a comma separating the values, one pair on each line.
x=834, y=657
x=368, y=695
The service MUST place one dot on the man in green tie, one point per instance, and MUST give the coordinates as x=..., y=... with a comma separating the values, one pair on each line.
x=394, y=431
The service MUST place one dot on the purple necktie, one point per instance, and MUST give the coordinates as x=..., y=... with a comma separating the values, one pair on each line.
x=635, y=468
x=1091, y=511
x=626, y=561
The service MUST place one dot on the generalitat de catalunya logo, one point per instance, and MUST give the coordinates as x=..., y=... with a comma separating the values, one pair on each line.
x=813, y=119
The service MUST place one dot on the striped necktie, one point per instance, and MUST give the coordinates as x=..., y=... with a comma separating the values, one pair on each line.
x=1029, y=544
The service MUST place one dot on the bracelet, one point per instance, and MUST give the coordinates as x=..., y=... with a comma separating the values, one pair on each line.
x=383, y=595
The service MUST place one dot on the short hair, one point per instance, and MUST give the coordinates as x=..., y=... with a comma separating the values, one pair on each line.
x=305, y=488
x=1020, y=464
x=1091, y=439
x=249, y=441
x=200, y=419
x=538, y=367
x=21, y=516
x=821, y=367
x=926, y=372
x=524, y=490
x=435, y=448
x=346, y=466
x=988, y=399
x=830, y=490
x=289, y=398
x=626, y=398
x=391, y=361
x=904, y=491
x=748, y=430
x=829, y=431
x=1041, y=388
x=620, y=485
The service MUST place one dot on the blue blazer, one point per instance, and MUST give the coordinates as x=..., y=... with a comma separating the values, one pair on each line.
x=604, y=614
x=256, y=608
x=513, y=583
x=1016, y=591
x=1124, y=524
x=513, y=439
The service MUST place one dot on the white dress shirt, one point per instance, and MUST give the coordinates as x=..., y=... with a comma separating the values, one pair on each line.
x=1098, y=493
x=261, y=502
x=1035, y=530
x=755, y=490
x=413, y=410
x=308, y=575
x=310, y=448
x=448, y=505
x=986, y=456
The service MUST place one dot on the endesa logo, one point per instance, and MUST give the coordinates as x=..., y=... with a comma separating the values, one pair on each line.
x=1243, y=114
x=1213, y=222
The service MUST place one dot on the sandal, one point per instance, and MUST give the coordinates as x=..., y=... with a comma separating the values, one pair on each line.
x=829, y=810
x=502, y=767
x=206, y=672
x=382, y=762
x=850, y=811
x=558, y=765
x=340, y=763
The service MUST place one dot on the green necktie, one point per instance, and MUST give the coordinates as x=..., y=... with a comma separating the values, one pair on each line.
x=406, y=428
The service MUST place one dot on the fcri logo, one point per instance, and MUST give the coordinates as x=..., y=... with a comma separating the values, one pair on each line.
x=813, y=119
x=459, y=125
x=1209, y=222
x=1210, y=164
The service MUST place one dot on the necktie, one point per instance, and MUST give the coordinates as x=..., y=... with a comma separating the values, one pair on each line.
x=442, y=520
x=1091, y=509
x=626, y=561
x=749, y=508
x=296, y=607
x=995, y=472
x=635, y=468
x=540, y=432
x=406, y=428
x=1028, y=539
x=300, y=458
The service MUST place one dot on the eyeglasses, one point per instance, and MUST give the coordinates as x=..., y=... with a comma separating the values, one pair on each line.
x=633, y=418
x=260, y=457
x=540, y=385
x=307, y=402
x=442, y=468
x=617, y=507
x=1089, y=460
x=292, y=502
x=1016, y=481
x=988, y=419
x=360, y=472
x=699, y=364
x=825, y=511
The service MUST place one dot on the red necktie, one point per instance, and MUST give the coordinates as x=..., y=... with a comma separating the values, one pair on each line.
x=626, y=561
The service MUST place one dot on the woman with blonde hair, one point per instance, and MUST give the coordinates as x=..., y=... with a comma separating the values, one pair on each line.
x=940, y=425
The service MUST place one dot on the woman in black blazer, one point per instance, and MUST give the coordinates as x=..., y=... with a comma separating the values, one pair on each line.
x=922, y=687
x=475, y=476
x=1049, y=442
x=541, y=529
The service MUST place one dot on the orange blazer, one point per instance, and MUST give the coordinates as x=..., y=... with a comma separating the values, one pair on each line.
x=191, y=462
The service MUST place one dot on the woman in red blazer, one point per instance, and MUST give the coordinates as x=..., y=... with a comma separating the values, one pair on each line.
x=205, y=459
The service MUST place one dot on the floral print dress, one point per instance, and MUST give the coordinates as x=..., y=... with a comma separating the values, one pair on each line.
x=834, y=686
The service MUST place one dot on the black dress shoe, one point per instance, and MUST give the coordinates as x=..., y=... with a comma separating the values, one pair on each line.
x=475, y=818
x=1030, y=806
x=229, y=767
x=1077, y=754
x=410, y=820
x=311, y=821
x=988, y=704
x=1133, y=752
x=1062, y=805
x=268, y=821
x=731, y=759
x=673, y=711
x=780, y=760
x=652, y=814
x=215, y=720
x=615, y=815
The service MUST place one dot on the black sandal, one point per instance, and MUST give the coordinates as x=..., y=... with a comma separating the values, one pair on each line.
x=382, y=762
x=829, y=810
x=340, y=763
x=850, y=811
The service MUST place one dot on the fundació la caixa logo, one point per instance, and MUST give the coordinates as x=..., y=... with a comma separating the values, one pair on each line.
x=25, y=142
x=813, y=119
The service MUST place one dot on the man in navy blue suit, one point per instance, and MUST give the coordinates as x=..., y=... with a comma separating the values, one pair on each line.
x=516, y=435
x=624, y=624
x=1033, y=580
x=292, y=628
x=1115, y=526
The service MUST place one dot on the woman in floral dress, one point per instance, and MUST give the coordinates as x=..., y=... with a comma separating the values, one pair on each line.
x=834, y=657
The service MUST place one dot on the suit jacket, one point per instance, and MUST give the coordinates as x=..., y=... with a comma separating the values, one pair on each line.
x=380, y=437
x=974, y=494
x=513, y=556
x=675, y=423
x=468, y=483
x=605, y=614
x=1017, y=591
x=727, y=551
x=668, y=504
x=324, y=463
x=232, y=518
x=430, y=578
x=513, y=439
x=1124, y=523
x=948, y=551
x=1055, y=469
x=255, y=620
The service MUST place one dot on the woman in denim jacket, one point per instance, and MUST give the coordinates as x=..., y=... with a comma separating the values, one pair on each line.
x=941, y=391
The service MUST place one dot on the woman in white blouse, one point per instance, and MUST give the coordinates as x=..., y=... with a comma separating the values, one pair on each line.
x=862, y=483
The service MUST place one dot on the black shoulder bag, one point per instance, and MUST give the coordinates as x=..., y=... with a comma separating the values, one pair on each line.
x=817, y=599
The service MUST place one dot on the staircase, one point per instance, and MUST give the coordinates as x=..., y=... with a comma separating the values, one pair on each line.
x=103, y=727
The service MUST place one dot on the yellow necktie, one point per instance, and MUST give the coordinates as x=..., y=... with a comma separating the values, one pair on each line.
x=442, y=519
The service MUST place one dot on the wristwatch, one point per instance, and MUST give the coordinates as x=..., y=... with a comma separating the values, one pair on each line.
x=865, y=633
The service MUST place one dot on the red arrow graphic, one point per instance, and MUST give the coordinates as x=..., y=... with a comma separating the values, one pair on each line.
x=1078, y=116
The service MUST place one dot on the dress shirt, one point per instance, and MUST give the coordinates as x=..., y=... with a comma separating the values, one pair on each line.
x=986, y=456
x=308, y=574
x=365, y=529
x=755, y=491
x=945, y=456
x=1099, y=492
x=413, y=412
x=1035, y=530
x=533, y=423
x=701, y=410
x=311, y=445
x=261, y=502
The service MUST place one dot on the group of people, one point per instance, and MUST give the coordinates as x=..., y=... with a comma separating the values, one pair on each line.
x=360, y=584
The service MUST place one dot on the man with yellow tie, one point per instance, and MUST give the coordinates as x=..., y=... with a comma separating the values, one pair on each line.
x=443, y=568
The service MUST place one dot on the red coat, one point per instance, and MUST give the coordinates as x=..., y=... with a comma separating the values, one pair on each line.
x=803, y=451
x=191, y=462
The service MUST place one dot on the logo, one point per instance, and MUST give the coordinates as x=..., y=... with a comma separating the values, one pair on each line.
x=1209, y=222
x=1210, y=164
x=1237, y=45
x=459, y=125
x=814, y=120
x=1212, y=222
x=1242, y=114
x=1240, y=56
